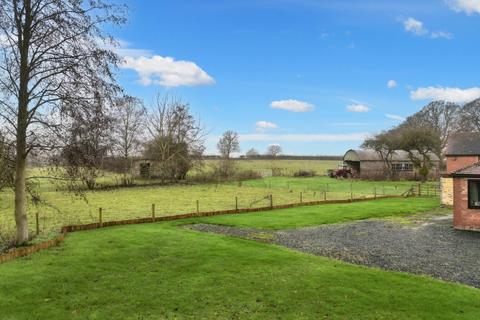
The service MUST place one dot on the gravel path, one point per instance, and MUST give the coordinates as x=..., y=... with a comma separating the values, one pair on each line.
x=431, y=247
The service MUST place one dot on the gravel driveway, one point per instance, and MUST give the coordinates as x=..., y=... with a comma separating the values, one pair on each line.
x=431, y=247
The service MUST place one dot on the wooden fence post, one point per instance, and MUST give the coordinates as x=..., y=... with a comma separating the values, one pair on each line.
x=325, y=196
x=351, y=191
x=301, y=197
x=271, y=201
x=100, y=218
x=153, y=212
x=37, y=223
x=375, y=193
x=236, y=203
x=198, y=207
x=419, y=189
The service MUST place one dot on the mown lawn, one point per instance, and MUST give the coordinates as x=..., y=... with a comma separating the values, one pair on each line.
x=324, y=214
x=160, y=271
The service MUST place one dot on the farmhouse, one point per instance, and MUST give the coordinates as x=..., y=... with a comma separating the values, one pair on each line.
x=463, y=150
x=369, y=164
x=461, y=183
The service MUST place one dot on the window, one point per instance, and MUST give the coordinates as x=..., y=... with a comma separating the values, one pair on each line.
x=474, y=194
x=402, y=166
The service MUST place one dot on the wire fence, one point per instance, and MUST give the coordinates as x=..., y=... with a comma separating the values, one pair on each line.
x=43, y=221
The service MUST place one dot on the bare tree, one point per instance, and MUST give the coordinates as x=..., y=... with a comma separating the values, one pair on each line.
x=252, y=153
x=274, y=150
x=385, y=143
x=420, y=143
x=87, y=142
x=129, y=113
x=53, y=57
x=440, y=116
x=177, y=138
x=470, y=117
x=228, y=144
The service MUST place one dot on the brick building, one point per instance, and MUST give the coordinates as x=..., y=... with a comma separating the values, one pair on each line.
x=466, y=198
x=461, y=183
x=463, y=150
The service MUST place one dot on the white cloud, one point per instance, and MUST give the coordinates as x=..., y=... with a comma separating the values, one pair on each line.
x=391, y=84
x=305, y=137
x=292, y=105
x=415, y=26
x=451, y=94
x=441, y=34
x=394, y=117
x=358, y=107
x=167, y=71
x=264, y=125
x=468, y=6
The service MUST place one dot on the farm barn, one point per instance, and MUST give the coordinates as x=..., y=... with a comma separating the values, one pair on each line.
x=368, y=164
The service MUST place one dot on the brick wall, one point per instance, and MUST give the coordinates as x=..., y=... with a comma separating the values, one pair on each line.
x=460, y=162
x=463, y=217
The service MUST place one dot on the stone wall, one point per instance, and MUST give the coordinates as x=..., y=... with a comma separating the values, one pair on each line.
x=447, y=191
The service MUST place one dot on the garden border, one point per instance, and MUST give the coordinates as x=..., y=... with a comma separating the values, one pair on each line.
x=24, y=251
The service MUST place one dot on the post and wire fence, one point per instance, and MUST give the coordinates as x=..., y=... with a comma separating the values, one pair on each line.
x=45, y=222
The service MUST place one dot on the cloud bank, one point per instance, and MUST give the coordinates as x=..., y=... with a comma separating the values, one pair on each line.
x=305, y=137
x=450, y=94
x=166, y=71
x=292, y=105
x=470, y=7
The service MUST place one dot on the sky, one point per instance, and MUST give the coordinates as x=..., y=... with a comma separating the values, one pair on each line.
x=314, y=76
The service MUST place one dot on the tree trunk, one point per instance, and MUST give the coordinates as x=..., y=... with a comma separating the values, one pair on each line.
x=21, y=199
x=22, y=124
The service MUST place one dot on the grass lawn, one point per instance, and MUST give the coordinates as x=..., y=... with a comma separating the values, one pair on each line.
x=324, y=214
x=160, y=271
x=126, y=203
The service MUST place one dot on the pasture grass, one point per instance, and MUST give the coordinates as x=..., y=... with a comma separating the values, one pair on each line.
x=160, y=271
x=60, y=208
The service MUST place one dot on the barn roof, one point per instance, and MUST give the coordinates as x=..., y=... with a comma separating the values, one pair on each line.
x=463, y=144
x=470, y=171
x=372, y=155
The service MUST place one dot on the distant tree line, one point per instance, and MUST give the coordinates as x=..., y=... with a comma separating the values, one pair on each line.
x=426, y=133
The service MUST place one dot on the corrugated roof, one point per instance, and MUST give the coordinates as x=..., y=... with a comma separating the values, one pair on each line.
x=372, y=155
x=473, y=170
x=463, y=144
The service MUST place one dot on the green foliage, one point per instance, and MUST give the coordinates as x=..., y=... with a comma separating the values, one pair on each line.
x=162, y=272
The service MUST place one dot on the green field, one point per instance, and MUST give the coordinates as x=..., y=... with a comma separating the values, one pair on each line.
x=288, y=167
x=160, y=271
x=61, y=208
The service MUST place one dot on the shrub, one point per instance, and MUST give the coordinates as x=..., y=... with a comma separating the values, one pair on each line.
x=305, y=173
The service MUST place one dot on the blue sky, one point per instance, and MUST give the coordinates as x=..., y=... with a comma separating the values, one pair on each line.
x=314, y=76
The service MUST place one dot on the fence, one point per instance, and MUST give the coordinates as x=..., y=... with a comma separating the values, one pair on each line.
x=290, y=195
x=23, y=251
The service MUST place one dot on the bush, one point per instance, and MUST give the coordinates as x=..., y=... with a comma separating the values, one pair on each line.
x=305, y=173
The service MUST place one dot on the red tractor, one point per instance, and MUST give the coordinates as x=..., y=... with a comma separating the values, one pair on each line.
x=342, y=171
